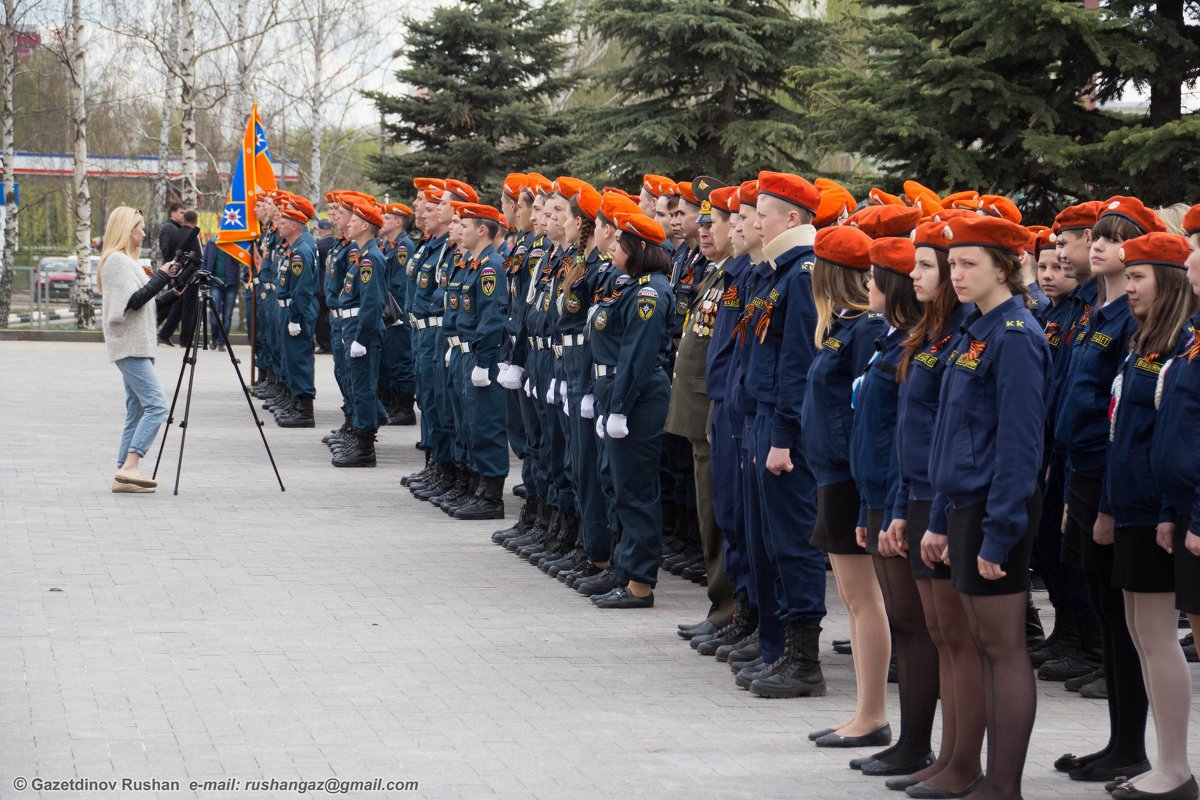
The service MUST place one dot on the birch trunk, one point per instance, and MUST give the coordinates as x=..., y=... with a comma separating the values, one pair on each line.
x=8, y=55
x=84, y=310
x=187, y=103
x=316, y=101
x=162, y=185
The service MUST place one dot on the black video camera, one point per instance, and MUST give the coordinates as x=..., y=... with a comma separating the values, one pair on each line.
x=190, y=271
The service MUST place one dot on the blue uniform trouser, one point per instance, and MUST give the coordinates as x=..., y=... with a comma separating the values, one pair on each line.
x=396, y=371
x=634, y=460
x=460, y=443
x=445, y=432
x=789, y=512
x=727, y=494
x=513, y=429
x=1064, y=581
x=298, y=356
x=535, y=484
x=485, y=407
x=762, y=571
x=430, y=351
x=271, y=329
x=554, y=443
x=568, y=497
x=364, y=378
x=593, y=509
x=339, y=360
x=263, y=358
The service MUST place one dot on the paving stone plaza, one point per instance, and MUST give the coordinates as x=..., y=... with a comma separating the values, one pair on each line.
x=342, y=629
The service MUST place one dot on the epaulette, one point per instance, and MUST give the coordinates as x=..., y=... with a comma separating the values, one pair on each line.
x=644, y=279
x=1014, y=324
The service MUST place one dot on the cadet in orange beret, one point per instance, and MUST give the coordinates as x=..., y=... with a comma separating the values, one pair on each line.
x=996, y=392
x=267, y=359
x=397, y=375
x=337, y=261
x=297, y=300
x=782, y=318
x=631, y=344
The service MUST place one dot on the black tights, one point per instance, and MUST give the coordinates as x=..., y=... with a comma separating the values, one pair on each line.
x=1127, y=702
x=997, y=626
x=916, y=660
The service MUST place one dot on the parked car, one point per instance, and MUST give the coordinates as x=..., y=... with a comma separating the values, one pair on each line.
x=56, y=276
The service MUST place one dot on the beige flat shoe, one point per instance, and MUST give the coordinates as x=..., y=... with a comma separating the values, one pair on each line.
x=131, y=488
x=136, y=478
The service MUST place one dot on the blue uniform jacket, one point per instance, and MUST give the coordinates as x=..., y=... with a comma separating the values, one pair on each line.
x=630, y=332
x=777, y=369
x=987, y=442
x=483, y=306
x=1175, y=449
x=298, y=280
x=577, y=305
x=363, y=289
x=756, y=284
x=427, y=301
x=873, y=437
x=828, y=410
x=540, y=291
x=916, y=415
x=266, y=264
x=397, y=253
x=1037, y=299
x=517, y=279
x=1132, y=496
x=720, y=351
x=1075, y=305
x=452, y=296
x=1098, y=348
x=410, y=272
x=336, y=264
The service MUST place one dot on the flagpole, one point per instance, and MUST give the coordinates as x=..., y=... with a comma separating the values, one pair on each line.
x=253, y=317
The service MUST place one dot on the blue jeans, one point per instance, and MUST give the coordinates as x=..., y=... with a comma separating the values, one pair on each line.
x=145, y=406
x=225, y=300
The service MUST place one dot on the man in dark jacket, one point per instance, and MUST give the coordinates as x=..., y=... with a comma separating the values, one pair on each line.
x=182, y=313
x=227, y=270
x=324, y=244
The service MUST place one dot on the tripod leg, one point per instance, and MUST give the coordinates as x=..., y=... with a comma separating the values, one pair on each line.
x=245, y=389
x=187, y=404
x=187, y=350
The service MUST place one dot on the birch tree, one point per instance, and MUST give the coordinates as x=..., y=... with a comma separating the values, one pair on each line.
x=84, y=309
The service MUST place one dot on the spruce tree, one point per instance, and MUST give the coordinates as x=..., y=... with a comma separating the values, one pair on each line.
x=700, y=88
x=482, y=73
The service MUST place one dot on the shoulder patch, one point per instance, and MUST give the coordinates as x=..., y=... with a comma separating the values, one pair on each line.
x=648, y=291
x=1011, y=325
x=364, y=271
x=807, y=266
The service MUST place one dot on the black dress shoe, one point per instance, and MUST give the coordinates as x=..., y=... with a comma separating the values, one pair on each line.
x=876, y=738
x=1187, y=790
x=611, y=592
x=928, y=791
x=812, y=737
x=623, y=598
x=900, y=782
x=1069, y=761
x=604, y=581
x=879, y=767
x=687, y=626
x=1095, y=771
x=705, y=628
x=841, y=646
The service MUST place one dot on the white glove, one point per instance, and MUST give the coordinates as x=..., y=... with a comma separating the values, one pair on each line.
x=357, y=350
x=600, y=427
x=587, y=406
x=550, y=392
x=448, y=352
x=566, y=407
x=563, y=390
x=501, y=372
x=479, y=377
x=512, y=376
x=616, y=426
x=293, y=329
x=528, y=388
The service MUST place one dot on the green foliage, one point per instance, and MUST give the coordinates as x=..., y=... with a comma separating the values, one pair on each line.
x=484, y=72
x=700, y=88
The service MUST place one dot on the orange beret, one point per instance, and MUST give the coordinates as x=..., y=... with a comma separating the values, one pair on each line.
x=881, y=198
x=1133, y=210
x=844, y=246
x=514, y=183
x=967, y=200
x=658, y=185
x=330, y=197
x=894, y=253
x=835, y=201
x=890, y=220
x=367, y=211
x=1034, y=230
x=1043, y=241
x=422, y=184
x=685, y=191
x=725, y=199
x=1159, y=247
x=568, y=187
x=748, y=193
x=641, y=226
x=462, y=190
x=1191, y=220
x=479, y=211
x=996, y=233
x=612, y=204
x=536, y=184
x=930, y=234
x=947, y=214
x=996, y=206
x=1075, y=217
x=397, y=210
x=588, y=200
x=791, y=188
x=615, y=190
x=298, y=209
x=433, y=194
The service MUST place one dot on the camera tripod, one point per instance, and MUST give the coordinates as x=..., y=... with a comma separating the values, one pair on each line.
x=205, y=304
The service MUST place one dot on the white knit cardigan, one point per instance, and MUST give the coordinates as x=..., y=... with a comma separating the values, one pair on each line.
x=127, y=333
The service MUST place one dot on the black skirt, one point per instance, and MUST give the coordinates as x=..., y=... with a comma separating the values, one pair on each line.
x=1139, y=564
x=965, y=530
x=918, y=523
x=1187, y=572
x=837, y=517
x=1083, y=502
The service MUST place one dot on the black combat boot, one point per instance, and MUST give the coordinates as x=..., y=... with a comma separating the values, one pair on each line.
x=799, y=674
x=541, y=522
x=467, y=496
x=524, y=522
x=745, y=621
x=302, y=417
x=336, y=435
x=490, y=502
x=538, y=536
x=403, y=412
x=361, y=452
x=448, y=473
x=1062, y=641
x=418, y=475
x=461, y=483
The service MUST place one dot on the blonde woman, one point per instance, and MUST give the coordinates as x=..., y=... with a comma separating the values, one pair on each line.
x=129, y=321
